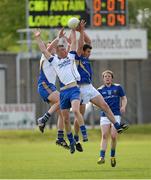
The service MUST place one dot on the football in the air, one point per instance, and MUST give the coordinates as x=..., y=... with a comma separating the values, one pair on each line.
x=73, y=22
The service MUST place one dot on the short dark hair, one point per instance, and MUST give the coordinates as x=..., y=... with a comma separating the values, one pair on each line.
x=86, y=46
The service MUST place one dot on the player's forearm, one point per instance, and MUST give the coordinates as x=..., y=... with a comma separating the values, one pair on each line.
x=87, y=39
x=124, y=102
x=53, y=44
x=73, y=40
x=42, y=47
x=80, y=42
x=41, y=44
x=68, y=39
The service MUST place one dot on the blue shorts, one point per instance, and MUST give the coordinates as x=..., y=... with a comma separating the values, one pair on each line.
x=45, y=90
x=67, y=96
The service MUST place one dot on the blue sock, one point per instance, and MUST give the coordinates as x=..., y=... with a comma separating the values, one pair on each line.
x=102, y=153
x=112, y=152
x=70, y=137
x=117, y=125
x=60, y=135
x=76, y=137
x=83, y=131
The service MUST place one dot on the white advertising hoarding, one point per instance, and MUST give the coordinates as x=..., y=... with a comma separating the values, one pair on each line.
x=17, y=116
x=118, y=44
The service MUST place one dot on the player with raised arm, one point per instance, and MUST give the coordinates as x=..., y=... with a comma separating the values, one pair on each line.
x=65, y=67
x=88, y=92
x=49, y=93
x=115, y=97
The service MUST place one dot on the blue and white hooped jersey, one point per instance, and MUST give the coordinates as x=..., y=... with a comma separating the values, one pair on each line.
x=47, y=72
x=66, y=68
x=112, y=96
x=84, y=69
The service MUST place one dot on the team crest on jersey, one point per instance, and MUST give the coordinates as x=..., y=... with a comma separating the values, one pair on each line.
x=64, y=63
x=109, y=92
x=115, y=92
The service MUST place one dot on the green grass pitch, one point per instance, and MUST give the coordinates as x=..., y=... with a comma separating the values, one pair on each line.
x=31, y=155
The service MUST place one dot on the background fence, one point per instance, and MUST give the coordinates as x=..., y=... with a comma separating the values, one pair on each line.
x=133, y=75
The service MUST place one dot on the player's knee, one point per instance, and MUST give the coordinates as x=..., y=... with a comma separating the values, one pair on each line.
x=113, y=137
x=104, y=136
x=75, y=111
x=66, y=121
x=66, y=118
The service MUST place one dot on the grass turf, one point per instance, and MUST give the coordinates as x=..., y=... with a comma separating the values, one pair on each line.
x=31, y=155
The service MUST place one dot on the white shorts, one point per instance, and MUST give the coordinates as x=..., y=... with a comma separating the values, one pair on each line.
x=105, y=120
x=88, y=92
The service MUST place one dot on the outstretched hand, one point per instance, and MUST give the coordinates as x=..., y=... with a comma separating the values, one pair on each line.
x=81, y=26
x=37, y=32
x=61, y=33
x=68, y=39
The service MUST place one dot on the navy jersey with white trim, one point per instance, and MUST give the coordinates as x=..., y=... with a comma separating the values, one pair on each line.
x=84, y=69
x=112, y=96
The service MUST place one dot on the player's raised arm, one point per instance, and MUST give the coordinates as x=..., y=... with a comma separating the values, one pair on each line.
x=73, y=40
x=41, y=44
x=54, y=43
x=87, y=39
x=81, y=38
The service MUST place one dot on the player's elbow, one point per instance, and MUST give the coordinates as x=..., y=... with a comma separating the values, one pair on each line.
x=124, y=99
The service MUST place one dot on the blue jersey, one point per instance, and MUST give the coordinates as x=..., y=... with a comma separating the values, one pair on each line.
x=84, y=69
x=112, y=96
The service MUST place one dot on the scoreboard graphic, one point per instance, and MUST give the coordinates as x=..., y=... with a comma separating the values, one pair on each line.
x=56, y=13
x=109, y=13
x=97, y=13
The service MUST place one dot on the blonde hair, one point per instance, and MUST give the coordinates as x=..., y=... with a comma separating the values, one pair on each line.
x=107, y=71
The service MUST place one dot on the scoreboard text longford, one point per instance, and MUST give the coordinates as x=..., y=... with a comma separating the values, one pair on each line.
x=56, y=13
